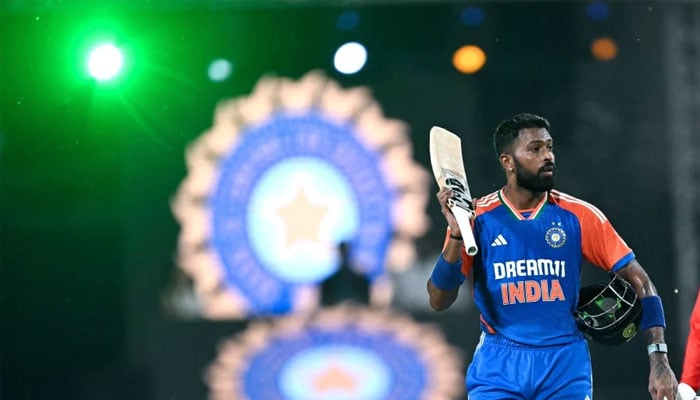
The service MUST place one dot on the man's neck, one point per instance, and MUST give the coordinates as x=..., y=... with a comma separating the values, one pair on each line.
x=521, y=198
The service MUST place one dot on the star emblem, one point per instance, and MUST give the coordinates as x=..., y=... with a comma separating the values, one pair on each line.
x=302, y=218
x=334, y=379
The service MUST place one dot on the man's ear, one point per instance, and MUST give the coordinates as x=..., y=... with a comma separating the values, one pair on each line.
x=506, y=161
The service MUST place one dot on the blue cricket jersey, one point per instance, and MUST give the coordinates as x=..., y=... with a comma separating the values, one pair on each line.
x=526, y=276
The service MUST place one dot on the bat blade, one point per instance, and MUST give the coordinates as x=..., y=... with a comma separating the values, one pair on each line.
x=448, y=168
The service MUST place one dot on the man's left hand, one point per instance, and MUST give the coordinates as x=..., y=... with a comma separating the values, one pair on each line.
x=662, y=381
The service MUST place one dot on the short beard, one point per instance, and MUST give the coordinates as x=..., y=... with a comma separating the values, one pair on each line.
x=532, y=182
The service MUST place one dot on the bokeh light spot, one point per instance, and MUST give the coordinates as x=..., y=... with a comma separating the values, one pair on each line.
x=105, y=62
x=348, y=20
x=350, y=58
x=469, y=59
x=604, y=49
x=597, y=10
x=472, y=16
x=220, y=69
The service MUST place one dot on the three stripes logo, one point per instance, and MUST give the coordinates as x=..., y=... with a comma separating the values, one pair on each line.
x=499, y=241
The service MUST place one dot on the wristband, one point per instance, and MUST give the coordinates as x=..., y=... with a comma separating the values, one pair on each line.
x=657, y=348
x=652, y=313
x=447, y=276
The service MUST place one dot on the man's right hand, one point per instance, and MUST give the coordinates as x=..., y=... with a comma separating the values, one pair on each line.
x=443, y=195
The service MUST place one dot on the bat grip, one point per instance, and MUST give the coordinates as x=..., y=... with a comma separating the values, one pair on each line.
x=463, y=218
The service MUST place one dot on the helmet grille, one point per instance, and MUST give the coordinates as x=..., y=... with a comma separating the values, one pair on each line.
x=606, y=310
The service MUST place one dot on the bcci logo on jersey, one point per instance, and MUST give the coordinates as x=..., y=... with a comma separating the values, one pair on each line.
x=555, y=236
x=281, y=178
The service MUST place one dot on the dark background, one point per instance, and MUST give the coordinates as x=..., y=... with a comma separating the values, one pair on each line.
x=88, y=239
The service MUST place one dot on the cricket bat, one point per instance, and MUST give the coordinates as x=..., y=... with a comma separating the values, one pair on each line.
x=448, y=168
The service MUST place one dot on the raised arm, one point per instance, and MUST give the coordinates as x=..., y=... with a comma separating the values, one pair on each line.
x=662, y=381
x=447, y=277
x=443, y=285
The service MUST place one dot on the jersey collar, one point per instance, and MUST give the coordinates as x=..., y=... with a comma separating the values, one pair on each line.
x=535, y=212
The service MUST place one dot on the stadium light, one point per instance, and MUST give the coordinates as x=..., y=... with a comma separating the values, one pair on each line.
x=350, y=58
x=220, y=70
x=105, y=62
x=469, y=59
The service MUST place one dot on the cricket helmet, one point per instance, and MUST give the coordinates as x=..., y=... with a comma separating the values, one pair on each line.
x=609, y=312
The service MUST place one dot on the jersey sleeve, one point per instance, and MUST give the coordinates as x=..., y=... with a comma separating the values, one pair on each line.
x=691, y=362
x=600, y=243
x=467, y=260
x=481, y=205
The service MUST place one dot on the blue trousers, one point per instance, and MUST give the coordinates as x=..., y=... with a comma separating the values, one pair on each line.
x=505, y=370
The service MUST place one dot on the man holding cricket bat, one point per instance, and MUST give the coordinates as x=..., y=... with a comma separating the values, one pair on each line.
x=531, y=242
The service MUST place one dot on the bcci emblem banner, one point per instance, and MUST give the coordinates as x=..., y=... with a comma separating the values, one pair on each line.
x=280, y=179
x=339, y=353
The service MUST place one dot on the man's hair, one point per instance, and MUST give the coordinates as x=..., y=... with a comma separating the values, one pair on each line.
x=508, y=129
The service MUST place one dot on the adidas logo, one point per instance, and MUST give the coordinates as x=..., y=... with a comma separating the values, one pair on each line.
x=500, y=241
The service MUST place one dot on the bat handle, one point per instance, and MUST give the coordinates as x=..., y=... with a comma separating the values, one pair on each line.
x=463, y=218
